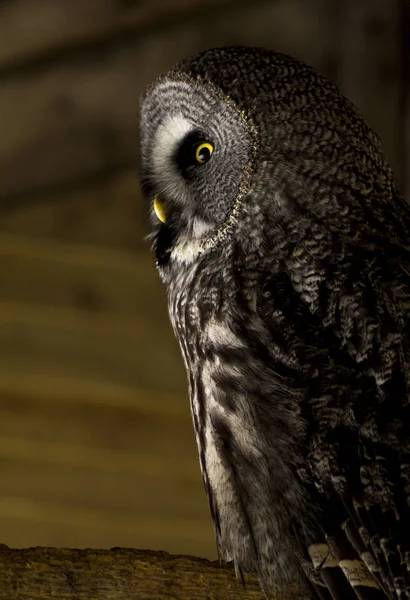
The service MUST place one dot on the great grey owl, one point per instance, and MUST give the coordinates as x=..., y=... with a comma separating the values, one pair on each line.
x=284, y=246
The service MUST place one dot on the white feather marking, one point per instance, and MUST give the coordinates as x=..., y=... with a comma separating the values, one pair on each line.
x=357, y=573
x=168, y=136
x=221, y=335
x=200, y=227
x=321, y=556
x=187, y=250
x=246, y=437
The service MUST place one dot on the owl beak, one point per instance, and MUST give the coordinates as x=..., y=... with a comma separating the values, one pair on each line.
x=160, y=210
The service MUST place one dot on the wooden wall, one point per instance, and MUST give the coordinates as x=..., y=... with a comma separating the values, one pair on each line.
x=96, y=445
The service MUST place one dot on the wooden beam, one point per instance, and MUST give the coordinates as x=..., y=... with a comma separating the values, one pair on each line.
x=121, y=574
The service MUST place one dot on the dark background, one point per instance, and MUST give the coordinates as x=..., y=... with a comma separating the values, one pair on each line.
x=96, y=446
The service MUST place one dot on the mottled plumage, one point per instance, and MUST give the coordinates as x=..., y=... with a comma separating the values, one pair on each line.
x=285, y=252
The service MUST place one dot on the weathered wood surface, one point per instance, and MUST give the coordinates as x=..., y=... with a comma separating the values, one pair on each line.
x=121, y=574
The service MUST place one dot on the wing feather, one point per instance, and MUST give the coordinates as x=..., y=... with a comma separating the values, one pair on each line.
x=353, y=336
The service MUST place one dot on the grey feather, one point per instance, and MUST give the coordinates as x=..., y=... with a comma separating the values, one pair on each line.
x=285, y=255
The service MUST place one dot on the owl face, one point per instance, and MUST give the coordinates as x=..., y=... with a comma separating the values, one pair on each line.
x=197, y=148
x=252, y=143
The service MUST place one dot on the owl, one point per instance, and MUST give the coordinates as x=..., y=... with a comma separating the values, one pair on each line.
x=284, y=247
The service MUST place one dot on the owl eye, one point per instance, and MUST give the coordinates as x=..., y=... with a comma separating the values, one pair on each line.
x=195, y=150
x=203, y=152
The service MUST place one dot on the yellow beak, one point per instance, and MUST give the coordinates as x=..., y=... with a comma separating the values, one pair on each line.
x=159, y=210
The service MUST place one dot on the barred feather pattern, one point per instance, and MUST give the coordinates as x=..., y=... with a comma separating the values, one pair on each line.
x=247, y=452
x=286, y=442
x=293, y=321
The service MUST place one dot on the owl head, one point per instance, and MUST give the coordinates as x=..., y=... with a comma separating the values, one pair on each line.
x=239, y=140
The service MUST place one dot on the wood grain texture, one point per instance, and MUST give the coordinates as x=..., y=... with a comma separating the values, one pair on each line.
x=120, y=574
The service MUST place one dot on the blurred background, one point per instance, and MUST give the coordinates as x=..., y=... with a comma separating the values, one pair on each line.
x=96, y=443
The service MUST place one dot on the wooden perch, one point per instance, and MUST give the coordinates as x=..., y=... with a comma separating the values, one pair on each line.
x=119, y=574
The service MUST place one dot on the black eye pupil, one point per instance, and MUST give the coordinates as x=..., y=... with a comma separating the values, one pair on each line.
x=204, y=154
x=194, y=151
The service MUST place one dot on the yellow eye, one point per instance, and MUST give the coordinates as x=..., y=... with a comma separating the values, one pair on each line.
x=203, y=152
